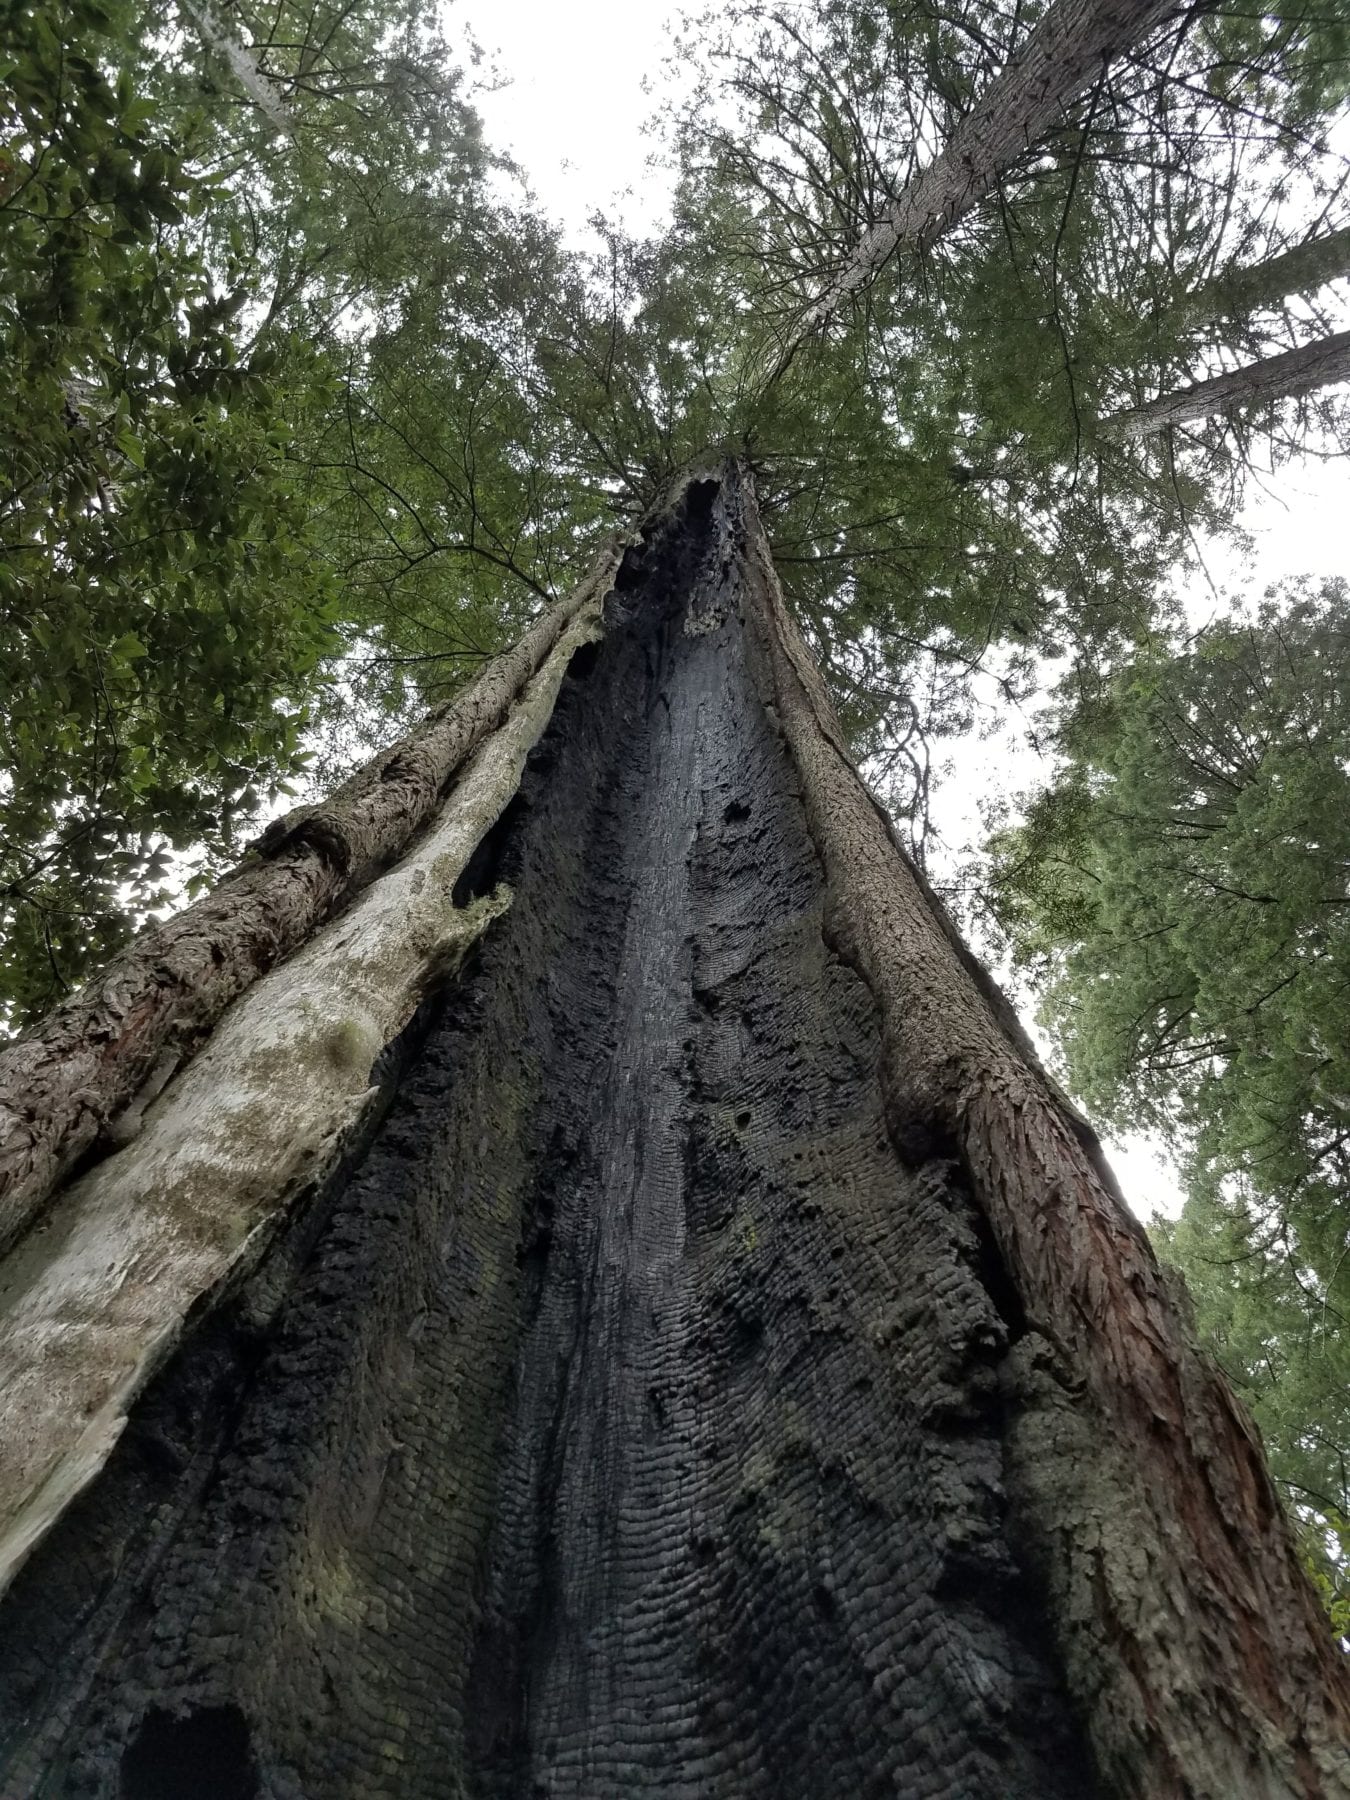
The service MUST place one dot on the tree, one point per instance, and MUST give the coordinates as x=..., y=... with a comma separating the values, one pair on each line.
x=1301, y=270
x=717, y=1122
x=72, y=1083
x=563, y=1273
x=1070, y=47
x=1314, y=365
x=1183, y=887
x=147, y=516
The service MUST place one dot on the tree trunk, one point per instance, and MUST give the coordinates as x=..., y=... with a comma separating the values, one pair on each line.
x=1300, y=371
x=78, y=1081
x=717, y=1366
x=1239, y=291
x=1066, y=51
x=265, y=93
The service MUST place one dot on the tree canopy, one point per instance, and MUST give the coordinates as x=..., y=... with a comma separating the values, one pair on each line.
x=1182, y=888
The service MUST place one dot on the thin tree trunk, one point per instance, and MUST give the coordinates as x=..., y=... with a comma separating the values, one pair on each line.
x=728, y=1372
x=1239, y=291
x=1301, y=371
x=253, y=78
x=1063, y=55
x=79, y=1080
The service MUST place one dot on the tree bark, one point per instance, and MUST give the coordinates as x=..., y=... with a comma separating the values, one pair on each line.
x=265, y=93
x=1301, y=371
x=727, y=1372
x=77, y=1082
x=1066, y=51
x=1191, y=1639
x=1239, y=291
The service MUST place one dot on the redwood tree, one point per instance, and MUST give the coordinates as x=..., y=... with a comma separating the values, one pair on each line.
x=621, y=1310
x=563, y=1275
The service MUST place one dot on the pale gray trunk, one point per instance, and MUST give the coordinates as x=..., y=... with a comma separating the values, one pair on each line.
x=1238, y=292
x=1302, y=371
x=1063, y=55
x=76, y=1084
x=253, y=78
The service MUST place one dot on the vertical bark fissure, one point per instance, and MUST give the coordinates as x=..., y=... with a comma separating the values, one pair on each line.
x=631, y=1422
x=1192, y=1640
x=65, y=1083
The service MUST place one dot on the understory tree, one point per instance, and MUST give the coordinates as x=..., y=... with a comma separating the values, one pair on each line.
x=148, y=520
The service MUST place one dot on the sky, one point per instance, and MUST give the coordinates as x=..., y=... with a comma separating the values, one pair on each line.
x=575, y=107
x=572, y=106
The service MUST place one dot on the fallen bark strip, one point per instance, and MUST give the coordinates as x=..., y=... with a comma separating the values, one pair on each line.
x=91, y=1304
x=1192, y=1642
x=1065, y=52
x=1300, y=371
x=81, y=1077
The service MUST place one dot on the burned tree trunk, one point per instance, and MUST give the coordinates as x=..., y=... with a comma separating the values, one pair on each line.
x=715, y=1363
x=79, y=1080
x=1316, y=365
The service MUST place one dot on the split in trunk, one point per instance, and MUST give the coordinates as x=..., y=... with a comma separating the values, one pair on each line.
x=718, y=1365
x=78, y=1082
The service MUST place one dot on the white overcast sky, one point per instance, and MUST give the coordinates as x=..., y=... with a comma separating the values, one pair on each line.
x=575, y=107
x=576, y=97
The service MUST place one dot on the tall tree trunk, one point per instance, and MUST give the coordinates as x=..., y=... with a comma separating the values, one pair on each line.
x=78, y=1081
x=719, y=1365
x=266, y=93
x=1300, y=371
x=1236, y=292
x=1062, y=56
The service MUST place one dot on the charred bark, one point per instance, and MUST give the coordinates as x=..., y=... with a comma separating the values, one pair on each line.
x=1192, y=1642
x=76, y=1084
x=1316, y=365
x=725, y=1370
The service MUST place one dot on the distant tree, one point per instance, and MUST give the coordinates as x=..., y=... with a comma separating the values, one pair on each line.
x=1183, y=891
x=162, y=626
x=1318, y=364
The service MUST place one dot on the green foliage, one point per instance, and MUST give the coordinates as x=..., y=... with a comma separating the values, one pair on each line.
x=1182, y=892
x=1282, y=1340
x=161, y=621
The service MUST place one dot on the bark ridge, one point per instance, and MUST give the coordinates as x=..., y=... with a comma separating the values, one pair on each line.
x=627, y=1420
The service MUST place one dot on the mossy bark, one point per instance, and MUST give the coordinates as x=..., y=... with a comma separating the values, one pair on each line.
x=74, y=1085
